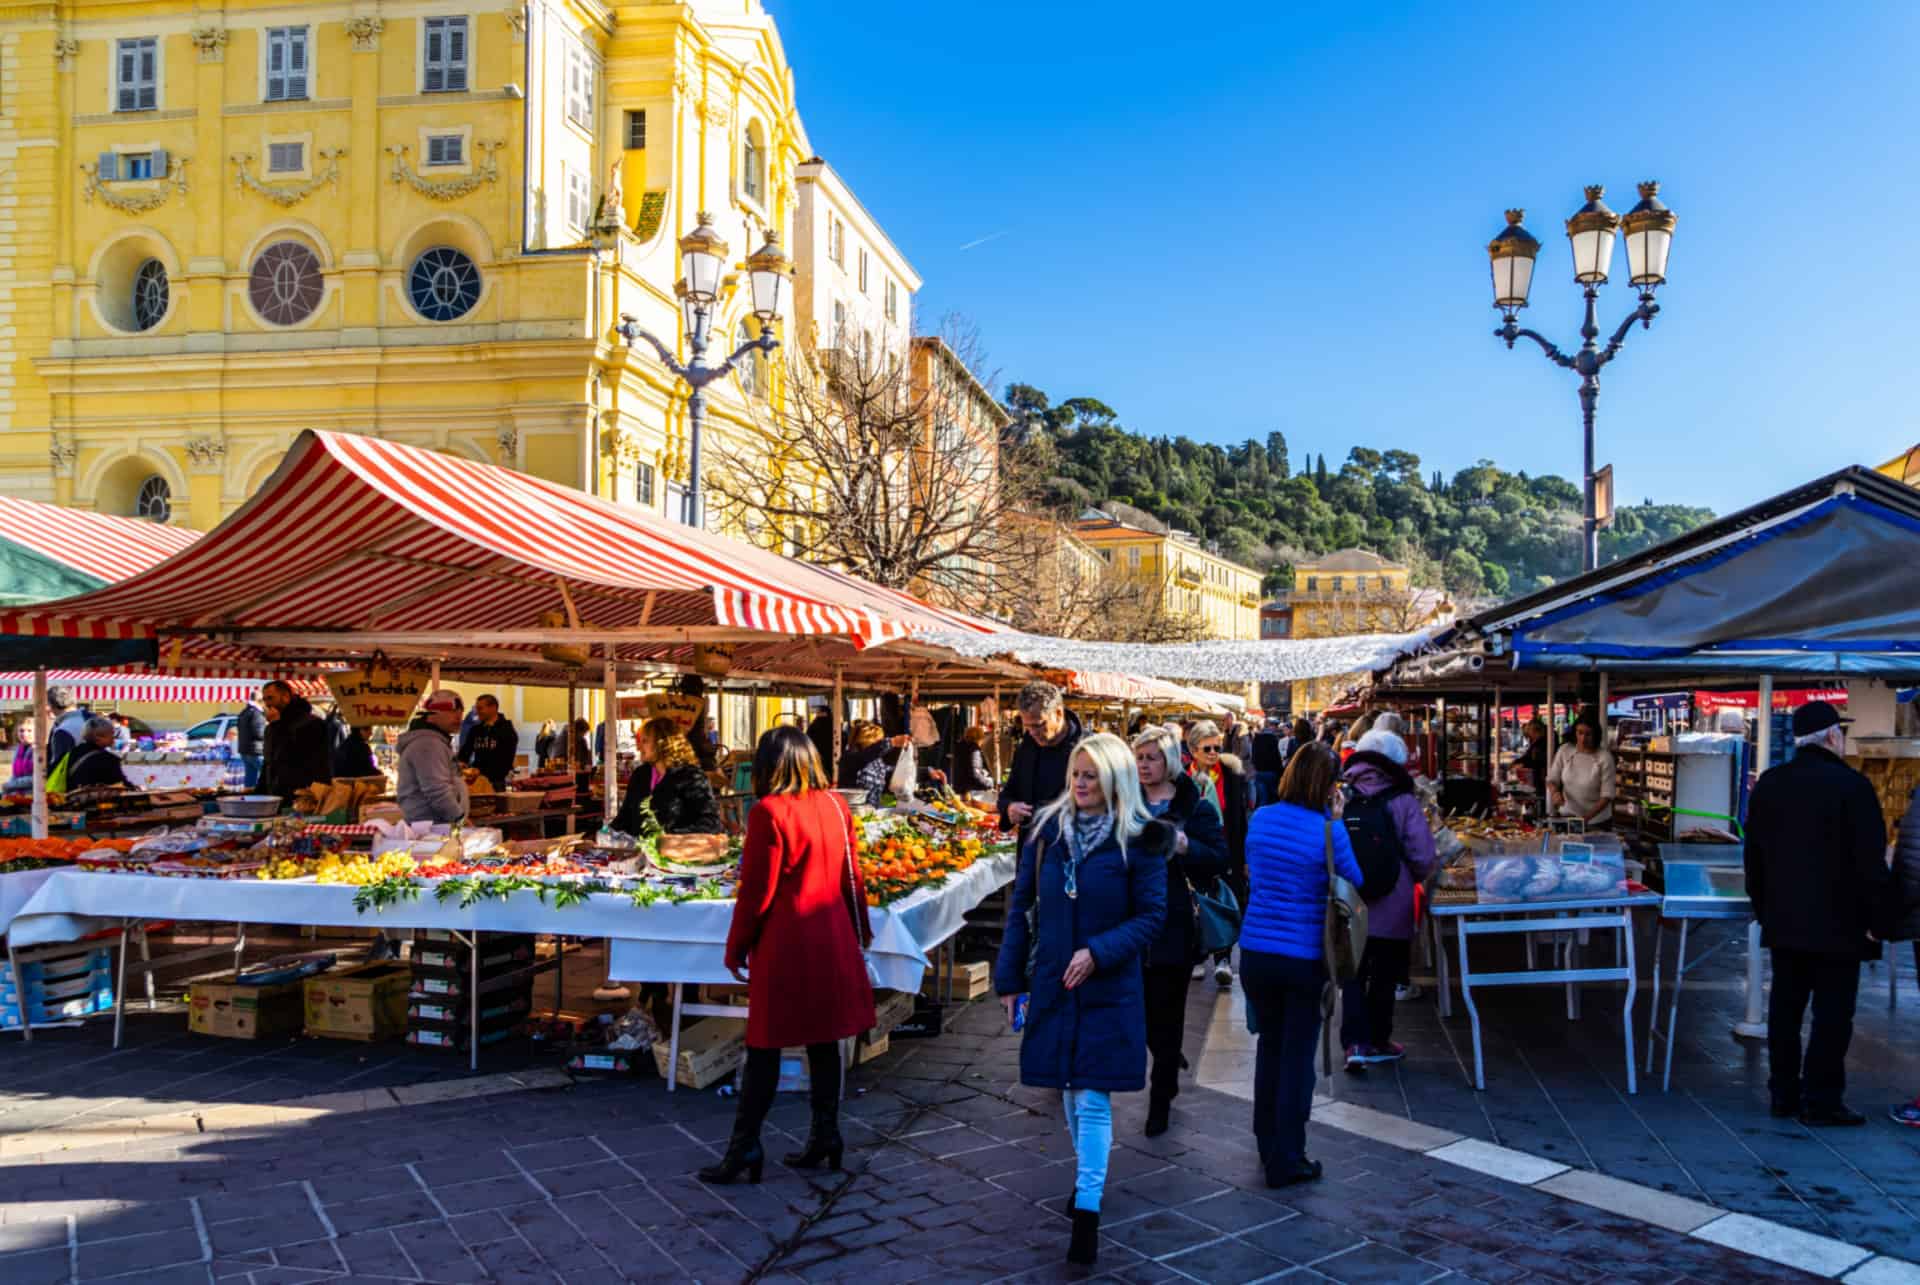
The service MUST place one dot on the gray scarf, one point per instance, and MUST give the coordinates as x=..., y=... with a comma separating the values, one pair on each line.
x=1085, y=834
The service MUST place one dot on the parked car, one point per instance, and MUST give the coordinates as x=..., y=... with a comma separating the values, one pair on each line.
x=221, y=727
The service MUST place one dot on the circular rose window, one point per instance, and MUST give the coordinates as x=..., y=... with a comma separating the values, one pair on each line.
x=286, y=283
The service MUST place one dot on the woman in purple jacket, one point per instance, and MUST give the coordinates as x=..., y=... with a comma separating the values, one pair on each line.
x=1381, y=794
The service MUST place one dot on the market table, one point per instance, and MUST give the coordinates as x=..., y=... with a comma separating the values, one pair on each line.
x=1478, y=919
x=17, y=889
x=1708, y=883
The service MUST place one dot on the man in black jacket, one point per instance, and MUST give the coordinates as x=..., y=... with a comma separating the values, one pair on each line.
x=1817, y=875
x=299, y=751
x=492, y=744
x=250, y=741
x=1039, y=772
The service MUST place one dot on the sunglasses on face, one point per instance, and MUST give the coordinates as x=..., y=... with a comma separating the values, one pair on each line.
x=1206, y=749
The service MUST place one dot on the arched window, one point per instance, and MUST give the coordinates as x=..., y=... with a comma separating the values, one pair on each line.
x=149, y=295
x=752, y=373
x=443, y=284
x=155, y=500
x=753, y=167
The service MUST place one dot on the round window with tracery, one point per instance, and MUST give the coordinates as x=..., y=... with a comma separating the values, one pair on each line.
x=149, y=295
x=443, y=284
x=286, y=283
x=155, y=501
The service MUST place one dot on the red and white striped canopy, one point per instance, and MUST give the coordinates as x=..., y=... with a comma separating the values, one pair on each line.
x=355, y=536
x=92, y=687
x=101, y=545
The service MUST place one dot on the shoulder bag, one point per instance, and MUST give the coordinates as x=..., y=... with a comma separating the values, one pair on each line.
x=1343, y=942
x=1216, y=917
x=841, y=820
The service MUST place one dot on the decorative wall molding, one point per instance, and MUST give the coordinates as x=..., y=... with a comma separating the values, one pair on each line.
x=516, y=16
x=621, y=445
x=488, y=171
x=207, y=454
x=507, y=439
x=142, y=199
x=289, y=193
x=365, y=31
x=63, y=451
x=64, y=51
x=305, y=105
x=211, y=42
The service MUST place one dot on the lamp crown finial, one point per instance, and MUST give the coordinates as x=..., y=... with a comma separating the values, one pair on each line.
x=1514, y=217
x=1650, y=188
x=703, y=216
x=1595, y=191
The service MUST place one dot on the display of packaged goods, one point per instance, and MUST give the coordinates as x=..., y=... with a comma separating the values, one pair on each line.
x=1575, y=869
x=364, y=1003
x=238, y=1011
x=710, y=1050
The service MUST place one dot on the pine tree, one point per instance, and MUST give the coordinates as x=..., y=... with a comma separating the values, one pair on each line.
x=1320, y=473
x=1277, y=455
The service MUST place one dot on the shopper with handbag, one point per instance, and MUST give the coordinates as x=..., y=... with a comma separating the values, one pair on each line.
x=799, y=926
x=1194, y=867
x=1088, y=900
x=1295, y=847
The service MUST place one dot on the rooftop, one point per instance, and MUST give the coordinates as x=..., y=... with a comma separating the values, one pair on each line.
x=1350, y=560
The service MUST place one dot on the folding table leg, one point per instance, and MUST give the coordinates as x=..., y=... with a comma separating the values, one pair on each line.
x=1440, y=965
x=673, y=1043
x=146, y=957
x=1473, y=1011
x=1653, y=1013
x=119, y=986
x=473, y=1004
x=1673, y=1016
x=1626, y=1018
x=20, y=988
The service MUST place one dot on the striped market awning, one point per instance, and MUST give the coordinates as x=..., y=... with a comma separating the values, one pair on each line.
x=99, y=545
x=357, y=545
x=92, y=687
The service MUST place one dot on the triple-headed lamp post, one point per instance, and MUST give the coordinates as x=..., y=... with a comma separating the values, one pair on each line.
x=1591, y=230
x=703, y=263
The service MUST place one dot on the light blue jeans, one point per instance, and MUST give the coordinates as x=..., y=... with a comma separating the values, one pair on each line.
x=1090, y=1125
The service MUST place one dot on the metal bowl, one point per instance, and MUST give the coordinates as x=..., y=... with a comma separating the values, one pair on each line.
x=248, y=805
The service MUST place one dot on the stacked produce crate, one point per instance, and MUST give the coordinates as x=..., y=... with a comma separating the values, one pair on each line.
x=69, y=981
x=440, y=1005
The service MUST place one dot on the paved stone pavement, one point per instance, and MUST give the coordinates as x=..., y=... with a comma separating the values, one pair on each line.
x=1558, y=1089
x=956, y=1174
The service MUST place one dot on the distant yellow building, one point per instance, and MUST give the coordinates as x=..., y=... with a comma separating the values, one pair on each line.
x=1195, y=581
x=1352, y=591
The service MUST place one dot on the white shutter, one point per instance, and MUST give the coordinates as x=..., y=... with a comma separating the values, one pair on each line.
x=296, y=62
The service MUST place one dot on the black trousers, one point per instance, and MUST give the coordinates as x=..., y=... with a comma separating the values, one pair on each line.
x=1166, y=986
x=1366, y=1002
x=1832, y=982
x=1284, y=994
x=761, y=1081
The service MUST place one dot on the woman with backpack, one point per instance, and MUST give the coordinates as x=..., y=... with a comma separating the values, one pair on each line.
x=1393, y=846
x=1283, y=965
x=1199, y=858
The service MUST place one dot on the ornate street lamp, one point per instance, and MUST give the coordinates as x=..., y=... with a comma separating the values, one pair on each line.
x=1591, y=233
x=703, y=263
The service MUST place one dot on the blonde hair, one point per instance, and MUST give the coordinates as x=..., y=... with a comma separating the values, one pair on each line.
x=671, y=748
x=1119, y=786
x=1162, y=739
x=864, y=734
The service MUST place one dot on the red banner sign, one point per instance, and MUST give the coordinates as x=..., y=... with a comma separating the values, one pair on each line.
x=1714, y=702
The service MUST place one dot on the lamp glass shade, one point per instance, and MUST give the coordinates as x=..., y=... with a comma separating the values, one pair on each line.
x=1512, y=254
x=1649, y=230
x=703, y=258
x=767, y=272
x=1591, y=231
x=689, y=308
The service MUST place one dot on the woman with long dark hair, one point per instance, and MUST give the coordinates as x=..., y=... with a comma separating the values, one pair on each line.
x=799, y=923
x=1282, y=960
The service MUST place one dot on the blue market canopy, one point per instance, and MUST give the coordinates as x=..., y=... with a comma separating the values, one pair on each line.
x=1824, y=579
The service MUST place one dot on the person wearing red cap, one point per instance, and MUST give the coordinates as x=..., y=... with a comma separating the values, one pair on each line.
x=430, y=787
x=1817, y=875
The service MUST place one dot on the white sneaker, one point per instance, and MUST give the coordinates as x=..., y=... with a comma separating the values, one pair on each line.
x=1406, y=991
x=1223, y=973
x=1199, y=971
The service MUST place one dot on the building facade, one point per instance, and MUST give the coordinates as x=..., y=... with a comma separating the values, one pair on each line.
x=219, y=228
x=1194, y=580
x=852, y=289
x=1352, y=591
x=1276, y=624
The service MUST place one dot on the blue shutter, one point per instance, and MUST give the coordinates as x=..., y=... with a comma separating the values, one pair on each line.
x=159, y=162
x=108, y=167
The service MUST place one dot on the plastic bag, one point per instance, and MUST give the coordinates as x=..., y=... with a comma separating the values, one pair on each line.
x=905, y=778
x=633, y=1029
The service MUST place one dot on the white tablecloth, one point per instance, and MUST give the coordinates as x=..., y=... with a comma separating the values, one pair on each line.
x=16, y=890
x=663, y=942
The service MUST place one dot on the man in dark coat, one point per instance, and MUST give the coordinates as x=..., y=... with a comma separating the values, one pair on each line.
x=1817, y=875
x=492, y=744
x=299, y=751
x=250, y=741
x=1039, y=772
x=1904, y=914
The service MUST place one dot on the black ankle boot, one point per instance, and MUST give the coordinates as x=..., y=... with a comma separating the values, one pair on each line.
x=744, y=1155
x=1158, y=1109
x=824, y=1145
x=1085, y=1246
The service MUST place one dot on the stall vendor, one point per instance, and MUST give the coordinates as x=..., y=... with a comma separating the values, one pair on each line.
x=429, y=787
x=93, y=761
x=493, y=745
x=1580, y=782
x=670, y=779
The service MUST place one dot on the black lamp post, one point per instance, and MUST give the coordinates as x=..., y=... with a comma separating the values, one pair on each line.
x=703, y=259
x=1591, y=231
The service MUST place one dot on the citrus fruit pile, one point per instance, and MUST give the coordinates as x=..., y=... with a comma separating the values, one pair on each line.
x=898, y=862
x=332, y=867
x=56, y=850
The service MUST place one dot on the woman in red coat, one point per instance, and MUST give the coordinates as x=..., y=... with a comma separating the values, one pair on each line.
x=799, y=921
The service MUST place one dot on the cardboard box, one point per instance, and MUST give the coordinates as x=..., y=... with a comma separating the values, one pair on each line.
x=364, y=1003
x=234, y=1012
x=969, y=981
x=710, y=1049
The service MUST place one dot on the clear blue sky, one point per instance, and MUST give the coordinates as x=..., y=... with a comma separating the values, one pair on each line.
x=1275, y=216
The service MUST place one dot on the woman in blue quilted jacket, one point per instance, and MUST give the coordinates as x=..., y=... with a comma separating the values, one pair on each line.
x=1088, y=901
x=1282, y=961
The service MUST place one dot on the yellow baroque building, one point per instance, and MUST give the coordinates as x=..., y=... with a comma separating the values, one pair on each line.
x=1352, y=591
x=1194, y=580
x=421, y=220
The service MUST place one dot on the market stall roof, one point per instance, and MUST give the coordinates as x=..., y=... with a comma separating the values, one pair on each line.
x=49, y=551
x=1229, y=661
x=1820, y=580
x=94, y=687
x=357, y=544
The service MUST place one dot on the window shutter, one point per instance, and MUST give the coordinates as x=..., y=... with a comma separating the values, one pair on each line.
x=108, y=168
x=457, y=54
x=159, y=162
x=436, y=73
x=297, y=63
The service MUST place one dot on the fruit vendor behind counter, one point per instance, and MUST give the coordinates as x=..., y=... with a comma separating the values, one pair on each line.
x=492, y=747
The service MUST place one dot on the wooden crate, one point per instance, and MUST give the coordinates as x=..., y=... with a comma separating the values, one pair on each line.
x=969, y=981
x=870, y=1047
x=710, y=1049
x=890, y=1008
